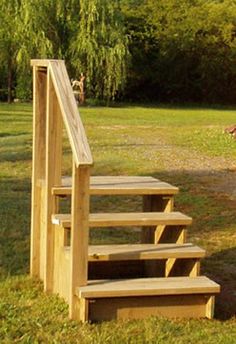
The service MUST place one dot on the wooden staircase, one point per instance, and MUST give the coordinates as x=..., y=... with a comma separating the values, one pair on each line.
x=157, y=276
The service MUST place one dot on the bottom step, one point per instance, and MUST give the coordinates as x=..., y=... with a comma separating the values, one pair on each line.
x=177, y=297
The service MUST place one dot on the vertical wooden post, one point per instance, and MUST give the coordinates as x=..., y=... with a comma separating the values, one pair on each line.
x=210, y=307
x=38, y=164
x=53, y=176
x=79, y=236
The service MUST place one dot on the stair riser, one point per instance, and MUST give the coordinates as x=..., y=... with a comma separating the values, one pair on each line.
x=143, y=268
x=171, y=306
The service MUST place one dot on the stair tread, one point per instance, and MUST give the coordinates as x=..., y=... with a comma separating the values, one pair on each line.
x=121, y=185
x=148, y=287
x=144, y=251
x=127, y=219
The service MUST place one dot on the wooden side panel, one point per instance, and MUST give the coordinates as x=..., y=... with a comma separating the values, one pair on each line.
x=61, y=271
x=79, y=236
x=43, y=227
x=38, y=165
x=53, y=175
x=171, y=306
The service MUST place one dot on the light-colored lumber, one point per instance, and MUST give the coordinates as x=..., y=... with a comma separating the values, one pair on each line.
x=79, y=235
x=75, y=130
x=61, y=269
x=210, y=307
x=122, y=185
x=144, y=251
x=148, y=287
x=38, y=167
x=53, y=176
x=127, y=219
x=43, y=62
x=127, y=308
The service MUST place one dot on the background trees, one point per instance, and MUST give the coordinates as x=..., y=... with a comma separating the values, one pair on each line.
x=164, y=50
x=188, y=50
x=100, y=47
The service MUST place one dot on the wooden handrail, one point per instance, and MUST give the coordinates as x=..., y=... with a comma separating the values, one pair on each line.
x=74, y=126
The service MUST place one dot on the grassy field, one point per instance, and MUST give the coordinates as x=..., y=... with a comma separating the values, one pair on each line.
x=184, y=146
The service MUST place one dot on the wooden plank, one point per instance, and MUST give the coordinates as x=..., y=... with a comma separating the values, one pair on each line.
x=210, y=307
x=38, y=167
x=43, y=62
x=123, y=185
x=79, y=236
x=148, y=287
x=127, y=308
x=143, y=252
x=75, y=130
x=43, y=228
x=53, y=175
x=127, y=219
x=61, y=271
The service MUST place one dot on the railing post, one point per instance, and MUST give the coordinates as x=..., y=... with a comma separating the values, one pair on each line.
x=53, y=176
x=79, y=235
x=38, y=165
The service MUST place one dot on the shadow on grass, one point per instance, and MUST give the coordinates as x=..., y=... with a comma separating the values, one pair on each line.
x=14, y=156
x=221, y=267
x=156, y=105
x=14, y=226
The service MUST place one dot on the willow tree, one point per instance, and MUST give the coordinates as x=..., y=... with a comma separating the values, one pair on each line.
x=44, y=32
x=100, y=48
x=9, y=43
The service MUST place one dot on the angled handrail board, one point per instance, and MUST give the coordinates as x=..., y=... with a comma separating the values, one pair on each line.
x=73, y=123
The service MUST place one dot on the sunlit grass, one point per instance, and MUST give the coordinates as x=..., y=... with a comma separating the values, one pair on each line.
x=127, y=140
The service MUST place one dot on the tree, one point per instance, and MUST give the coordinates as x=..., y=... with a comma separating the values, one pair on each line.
x=9, y=43
x=187, y=49
x=99, y=48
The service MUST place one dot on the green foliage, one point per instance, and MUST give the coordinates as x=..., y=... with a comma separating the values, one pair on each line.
x=139, y=49
x=189, y=49
x=100, y=48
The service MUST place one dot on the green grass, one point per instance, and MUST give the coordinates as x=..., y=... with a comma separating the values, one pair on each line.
x=185, y=146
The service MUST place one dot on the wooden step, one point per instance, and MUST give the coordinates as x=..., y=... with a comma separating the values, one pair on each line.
x=148, y=287
x=144, y=252
x=127, y=219
x=123, y=185
x=143, y=260
x=174, y=297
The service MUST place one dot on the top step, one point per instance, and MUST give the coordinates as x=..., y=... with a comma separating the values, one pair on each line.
x=122, y=185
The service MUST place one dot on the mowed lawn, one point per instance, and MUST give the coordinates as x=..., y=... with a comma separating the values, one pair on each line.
x=184, y=146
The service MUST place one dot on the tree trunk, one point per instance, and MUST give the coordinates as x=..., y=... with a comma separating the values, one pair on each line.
x=9, y=81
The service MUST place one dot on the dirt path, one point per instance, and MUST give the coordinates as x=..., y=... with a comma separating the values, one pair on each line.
x=217, y=174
